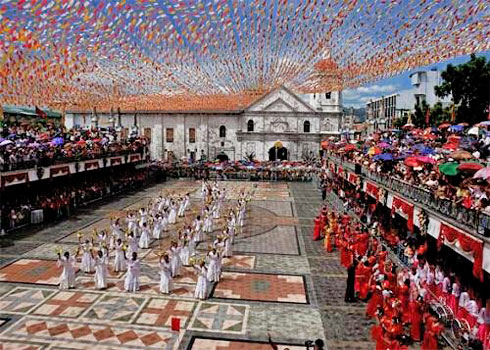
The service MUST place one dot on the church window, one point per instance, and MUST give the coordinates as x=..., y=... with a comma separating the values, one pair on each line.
x=250, y=125
x=306, y=126
x=222, y=131
x=192, y=135
x=170, y=135
x=328, y=95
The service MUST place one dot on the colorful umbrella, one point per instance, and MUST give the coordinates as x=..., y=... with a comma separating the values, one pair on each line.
x=460, y=154
x=426, y=160
x=449, y=169
x=444, y=126
x=483, y=173
x=374, y=150
x=412, y=162
x=470, y=166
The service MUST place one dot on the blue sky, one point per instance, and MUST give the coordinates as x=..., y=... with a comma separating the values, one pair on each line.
x=358, y=97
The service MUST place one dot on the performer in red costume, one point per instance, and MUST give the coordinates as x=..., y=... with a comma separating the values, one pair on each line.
x=317, y=230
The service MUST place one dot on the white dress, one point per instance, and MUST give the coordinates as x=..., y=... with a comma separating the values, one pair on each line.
x=157, y=228
x=180, y=213
x=202, y=284
x=144, y=242
x=119, y=261
x=172, y=217
x=164, y=225
x=101, y=273
x=88, y=264
x=175, y=261
x=185, y=254
x=212, y=274
x=132, y=280
x=228, y=249
x=67, y=279
x=132, y=227
x=166, y=283
x=133, y=245
x=143, y=217
x=198, y=237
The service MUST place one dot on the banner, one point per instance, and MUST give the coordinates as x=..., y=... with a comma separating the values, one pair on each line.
x=59, y=171
x=403, y=209
x=15, y=179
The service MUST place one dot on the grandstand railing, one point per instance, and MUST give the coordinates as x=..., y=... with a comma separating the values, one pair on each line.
x=473, y=220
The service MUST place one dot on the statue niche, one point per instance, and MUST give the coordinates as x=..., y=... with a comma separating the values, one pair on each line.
x=279, y=125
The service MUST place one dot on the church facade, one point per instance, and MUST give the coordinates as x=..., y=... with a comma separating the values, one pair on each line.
x=278, y=125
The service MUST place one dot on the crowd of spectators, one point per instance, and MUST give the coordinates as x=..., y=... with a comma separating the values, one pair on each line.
x=448, y=161
x=60, y=197
x=43, y=143
x=403, y=295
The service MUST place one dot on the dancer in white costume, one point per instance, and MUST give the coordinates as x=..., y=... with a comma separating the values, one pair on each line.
x=201, y=290
x=143, y=217
x=101, y=272
x=172, y=217
x=198, y=228
x=119, y=259
x=88, y=263
x=184, y=250
x=132, y=243
x=157, y=227
x=212, y=274
x=131, y=221
x=175, y=260
x=67, y=279
x=166, y=283
x=144, y=242
x=132, y=280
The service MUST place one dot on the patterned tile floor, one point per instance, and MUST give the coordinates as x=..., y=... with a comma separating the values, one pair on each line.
x=279, y=282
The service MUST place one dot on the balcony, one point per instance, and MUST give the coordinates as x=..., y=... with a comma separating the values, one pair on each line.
x=471, y=221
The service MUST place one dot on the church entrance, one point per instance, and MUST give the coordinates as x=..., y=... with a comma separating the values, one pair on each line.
x=276, y=153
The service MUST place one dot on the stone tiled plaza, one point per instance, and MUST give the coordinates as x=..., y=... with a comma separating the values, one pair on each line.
x=278, y=282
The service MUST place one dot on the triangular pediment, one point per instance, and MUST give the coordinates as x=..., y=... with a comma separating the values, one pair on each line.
x=280, y=100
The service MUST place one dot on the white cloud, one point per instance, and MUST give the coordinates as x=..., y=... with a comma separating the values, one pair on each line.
x=358, y=97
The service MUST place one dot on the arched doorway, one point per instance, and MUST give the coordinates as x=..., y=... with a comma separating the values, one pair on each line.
x=276, y=153
x=222, y=157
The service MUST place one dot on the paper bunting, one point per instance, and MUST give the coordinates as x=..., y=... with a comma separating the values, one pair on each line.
x=156, y=54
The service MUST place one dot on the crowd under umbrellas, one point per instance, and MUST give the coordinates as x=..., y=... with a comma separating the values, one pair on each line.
x=157, y=220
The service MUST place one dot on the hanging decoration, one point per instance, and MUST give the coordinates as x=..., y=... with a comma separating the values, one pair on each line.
x=219, y=54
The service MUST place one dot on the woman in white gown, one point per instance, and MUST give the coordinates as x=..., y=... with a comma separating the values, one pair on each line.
x=88, y=263
x=119, y=259
x=228, y=248
x=201, y=290
x=172, y=217
x=184, y=251
x=176, y=262
x=181, y=204
x=164, y=223
x=132, y=280
x=157, y=227
x=198, y=236
x=212, y=273
x=132, y=243
x=143, y=217
x=67, y=279
x=166, y=283
x=131, y=221
x=101, y=272
x=144, y=242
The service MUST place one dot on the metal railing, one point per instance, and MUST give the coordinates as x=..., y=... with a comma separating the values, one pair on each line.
x=472, y=219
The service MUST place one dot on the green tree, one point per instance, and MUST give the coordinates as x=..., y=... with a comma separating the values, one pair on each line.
x=468, y=83
x=400, y=121
x=439, y=115
x=418, y=116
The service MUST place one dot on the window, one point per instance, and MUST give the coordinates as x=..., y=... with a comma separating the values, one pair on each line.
x=192, y=135
x=328, y=95
x=250, y=125
x=306, y=126
x=170, y=135
x=222, y=131
x=147, y=133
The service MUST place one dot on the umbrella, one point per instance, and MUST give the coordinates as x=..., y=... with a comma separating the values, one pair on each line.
x=449, y=169
x=374, y=150
x=427, y=150
x=456, y=128
x=474, y=131
x=350, y=147
x=81, y=142
x=408, y=126
x=412, y=162
x=454, y=138
x=485, y=123
x=470, y=166
x=425, y=159
x=34, y=145
x=450, y=146
x=384, y=157
x=384, y=145
x=460, y=154
x=444, y=126
x=429, y=137
x=464, y=124
x=5, y=142
x=57, y=141
x=483, y=173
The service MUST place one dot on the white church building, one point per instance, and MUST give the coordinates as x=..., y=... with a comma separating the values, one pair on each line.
x=278, y=125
